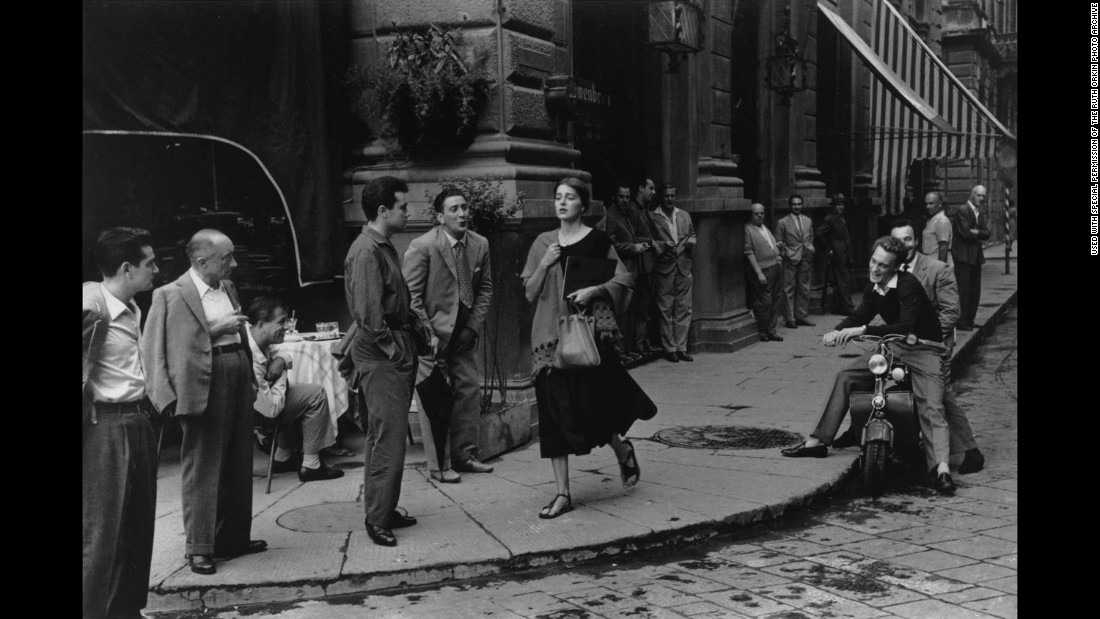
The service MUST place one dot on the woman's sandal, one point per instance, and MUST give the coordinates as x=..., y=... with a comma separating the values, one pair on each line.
x=629, y=468
x=545, y=512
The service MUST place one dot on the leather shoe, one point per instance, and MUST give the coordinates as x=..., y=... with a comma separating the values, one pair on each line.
x=775, y=337
x=201, y=564
x=320, y=473
x=972, y=462
x=400, y=521
x=671, y=357
x=683, y=356
x=289, y=465
x=790, y=324
x=944, y=484
x=848, y=439
x=805, y=323
x=252, y=547
x=802, y=451
x=381, y=535
x=471, y=465
x=446, y=477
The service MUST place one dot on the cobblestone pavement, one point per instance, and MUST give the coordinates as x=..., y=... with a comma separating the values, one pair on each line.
x=911, y=553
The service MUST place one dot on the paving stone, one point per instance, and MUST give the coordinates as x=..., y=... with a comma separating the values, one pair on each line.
x=1006, y=533
x=652, y=595
x=887, y=572
x=977, y=573
x=973, y=522
x=534, y=603
x=927, y=534
x=1008, y=585
x=985, y=508
x=817, y=602
x=747, y=603
x=690, y=582
x=1006, y=561
x=832, y=535
x=932, y=560
x=925, y=609
x=756, y=558
x=1004, y=606
x=986, y=493
x=969, y=594
x=881, y=548
x=846, y=584
x=742, y=576
x=977, y=547
x=798, y=548
x=702, y=609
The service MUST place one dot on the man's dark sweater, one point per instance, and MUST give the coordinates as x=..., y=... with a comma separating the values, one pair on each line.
x=905, y=309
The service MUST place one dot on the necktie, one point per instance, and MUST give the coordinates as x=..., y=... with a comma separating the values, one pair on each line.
x=798, y=222
x=906, y=267
x=465, y=288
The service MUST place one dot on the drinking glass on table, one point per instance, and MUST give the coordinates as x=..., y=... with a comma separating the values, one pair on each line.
x=292, y=326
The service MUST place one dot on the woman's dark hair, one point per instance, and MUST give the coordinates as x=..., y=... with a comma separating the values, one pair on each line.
x=578, y=186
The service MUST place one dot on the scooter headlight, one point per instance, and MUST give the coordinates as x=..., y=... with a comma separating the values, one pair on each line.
x=878, y=402
x=878, y=365
x=898, y=374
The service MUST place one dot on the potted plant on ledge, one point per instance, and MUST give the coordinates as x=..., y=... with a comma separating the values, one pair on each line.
x=423, y=92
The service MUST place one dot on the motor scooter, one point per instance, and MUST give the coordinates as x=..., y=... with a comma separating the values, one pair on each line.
x=888, y=415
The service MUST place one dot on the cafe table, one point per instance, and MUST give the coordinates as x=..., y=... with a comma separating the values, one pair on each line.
x=314, y=364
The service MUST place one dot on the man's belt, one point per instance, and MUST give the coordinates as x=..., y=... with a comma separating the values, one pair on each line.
x=227, y=348
x=119, y=408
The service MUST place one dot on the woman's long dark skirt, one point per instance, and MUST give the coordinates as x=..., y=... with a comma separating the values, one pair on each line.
x=582, y=409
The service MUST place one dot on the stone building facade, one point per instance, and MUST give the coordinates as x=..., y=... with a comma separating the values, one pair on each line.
x=715, y=127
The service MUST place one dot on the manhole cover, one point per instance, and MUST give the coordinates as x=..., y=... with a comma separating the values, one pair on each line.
x=324, y=518
x=726, y=437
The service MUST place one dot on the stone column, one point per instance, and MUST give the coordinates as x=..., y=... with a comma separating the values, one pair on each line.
x=517, y=140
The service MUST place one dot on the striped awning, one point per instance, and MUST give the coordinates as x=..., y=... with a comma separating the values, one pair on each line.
x=919, y=109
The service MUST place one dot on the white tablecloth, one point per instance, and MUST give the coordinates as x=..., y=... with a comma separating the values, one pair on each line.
x=314, y=364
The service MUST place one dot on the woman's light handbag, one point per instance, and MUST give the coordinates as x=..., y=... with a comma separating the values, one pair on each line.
x=576, y=341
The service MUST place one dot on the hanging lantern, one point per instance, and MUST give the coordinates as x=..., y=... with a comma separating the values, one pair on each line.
x=675, y=28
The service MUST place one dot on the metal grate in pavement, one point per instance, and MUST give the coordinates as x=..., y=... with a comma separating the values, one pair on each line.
x=725, y=437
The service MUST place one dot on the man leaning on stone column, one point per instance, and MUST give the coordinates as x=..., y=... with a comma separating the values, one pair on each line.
x=451, y=287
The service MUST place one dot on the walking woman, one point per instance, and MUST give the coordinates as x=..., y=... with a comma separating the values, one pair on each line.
x=579, y=408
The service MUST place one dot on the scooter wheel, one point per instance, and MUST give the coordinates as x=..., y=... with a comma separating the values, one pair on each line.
x=875, y=456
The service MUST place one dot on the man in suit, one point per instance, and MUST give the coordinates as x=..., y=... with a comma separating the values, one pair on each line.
x=301, y=408
x=833, y=235
x=119, y=454
x=199, y=368
x=645, y=285
x=936, y=239
x=451, y=287
x=766, y=277
x=939, y=284
x=900, y=299
x=383, y=351
x=674, y=237
x=969, y=227
x=796, y=246
x=631, y=237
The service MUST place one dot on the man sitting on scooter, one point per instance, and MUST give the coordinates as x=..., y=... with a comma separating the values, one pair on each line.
x=901, y=301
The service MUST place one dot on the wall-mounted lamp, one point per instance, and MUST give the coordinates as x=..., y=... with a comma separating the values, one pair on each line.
x=787, y=68
x=675, y=28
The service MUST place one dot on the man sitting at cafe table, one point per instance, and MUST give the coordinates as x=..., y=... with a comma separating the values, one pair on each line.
x=305, y=419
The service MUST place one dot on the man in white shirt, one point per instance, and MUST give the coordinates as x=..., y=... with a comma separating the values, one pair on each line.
x=936, y=239
x=674, y=237
x=198, y=367
x=305, y=420
x=119, y=453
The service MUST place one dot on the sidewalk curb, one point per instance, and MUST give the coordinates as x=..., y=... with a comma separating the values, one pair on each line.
x=191, y=598
x=166, y=600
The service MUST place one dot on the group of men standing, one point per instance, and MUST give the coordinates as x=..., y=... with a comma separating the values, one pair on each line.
x=200, y=359
x=656, y=241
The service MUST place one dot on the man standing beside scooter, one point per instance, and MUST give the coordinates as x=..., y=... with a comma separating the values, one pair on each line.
x=901, y=301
